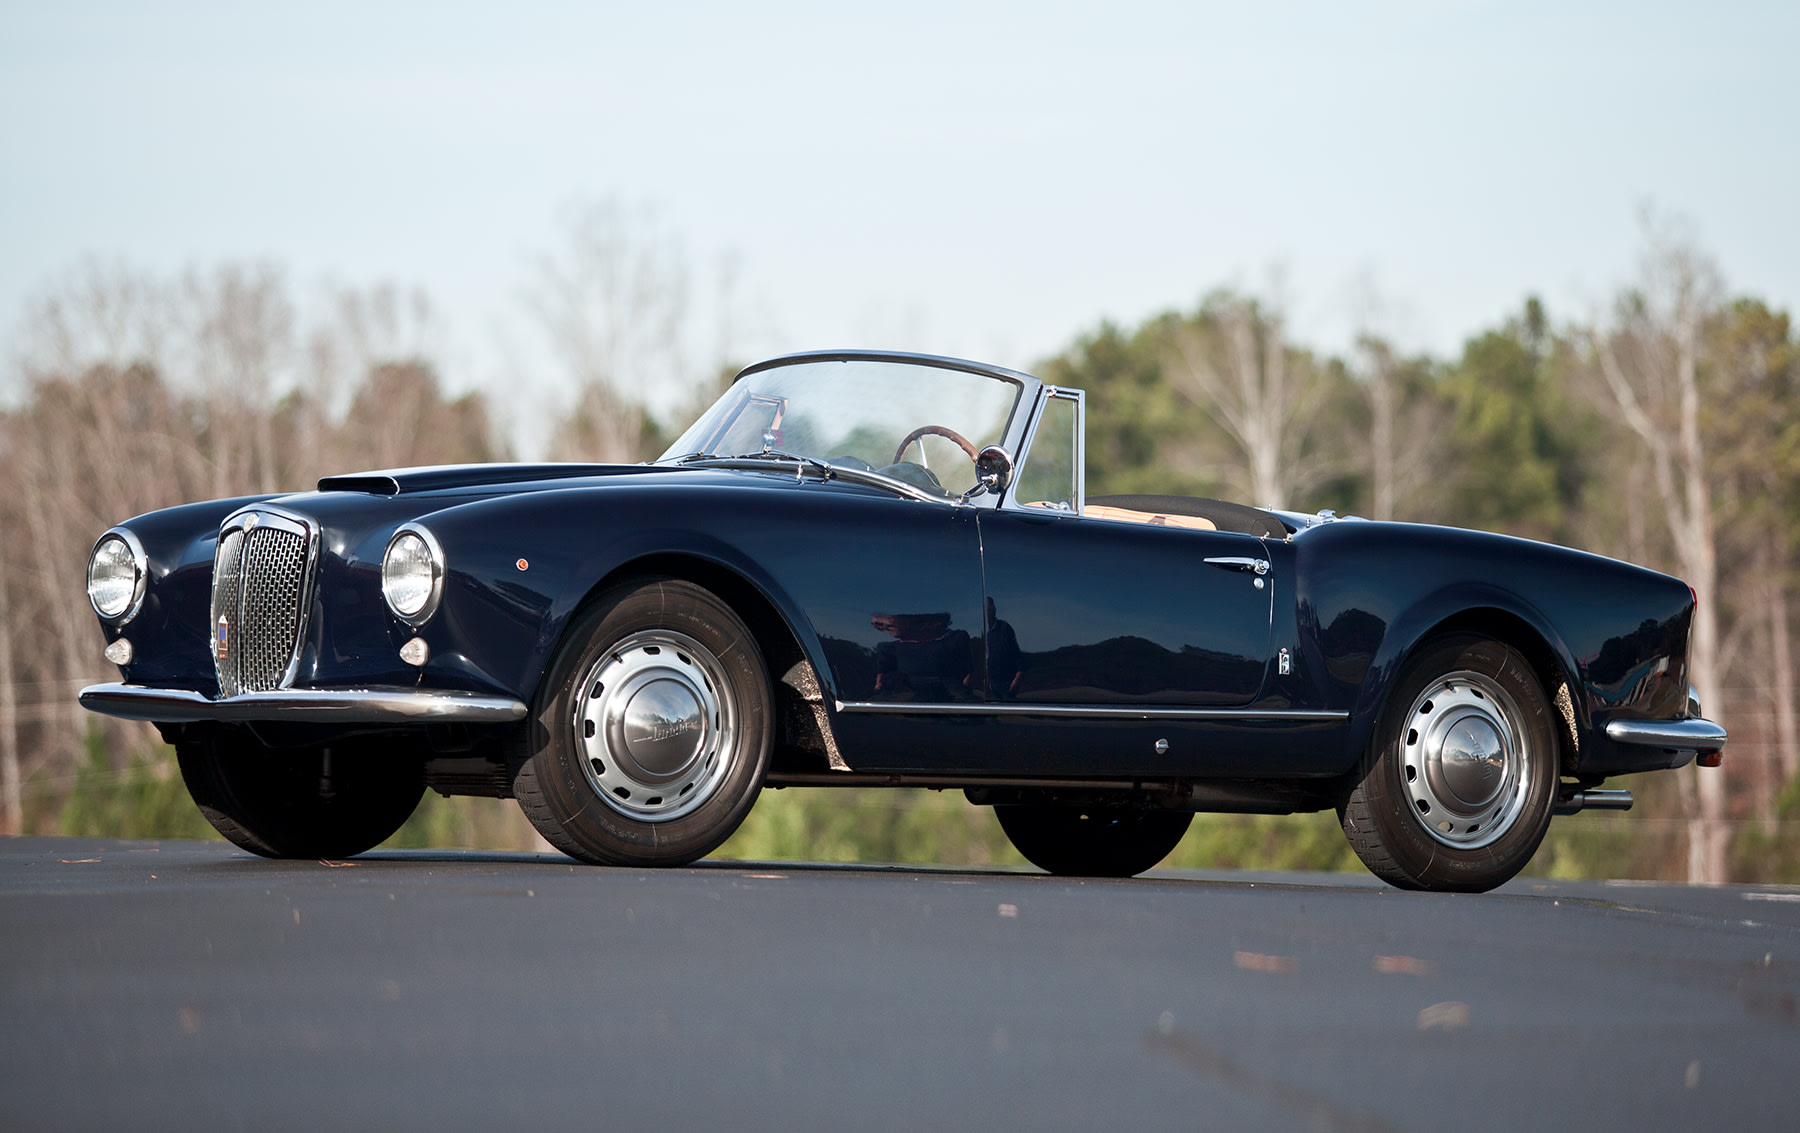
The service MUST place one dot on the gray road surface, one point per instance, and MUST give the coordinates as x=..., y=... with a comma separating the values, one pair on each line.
x=174, y=985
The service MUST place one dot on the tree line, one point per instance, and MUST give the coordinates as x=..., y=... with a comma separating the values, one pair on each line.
x=1659, y=429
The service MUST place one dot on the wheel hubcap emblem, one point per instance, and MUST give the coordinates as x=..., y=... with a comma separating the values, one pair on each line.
x=1472, y=760
x=662, y=728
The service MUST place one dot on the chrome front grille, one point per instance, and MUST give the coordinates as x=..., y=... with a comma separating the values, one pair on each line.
x=262, y=573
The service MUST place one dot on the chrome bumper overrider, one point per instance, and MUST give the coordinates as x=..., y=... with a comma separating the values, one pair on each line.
x=1675, y=735
x=306, y=705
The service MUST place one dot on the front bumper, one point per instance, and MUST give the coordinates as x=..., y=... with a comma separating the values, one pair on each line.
x=308, y=706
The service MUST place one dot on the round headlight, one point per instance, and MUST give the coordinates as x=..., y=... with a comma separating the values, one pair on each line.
x=412, y=575
x=115, y=576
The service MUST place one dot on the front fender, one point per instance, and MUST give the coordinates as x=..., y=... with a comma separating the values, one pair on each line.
x=518, y=569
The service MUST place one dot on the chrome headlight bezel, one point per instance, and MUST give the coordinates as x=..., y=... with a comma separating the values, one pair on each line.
x=391, y=579
x=140, y=575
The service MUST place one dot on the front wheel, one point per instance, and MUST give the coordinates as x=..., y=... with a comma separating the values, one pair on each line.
x=651, y=731
x=319, y=802
x=1092, y=841
x=1460, y=780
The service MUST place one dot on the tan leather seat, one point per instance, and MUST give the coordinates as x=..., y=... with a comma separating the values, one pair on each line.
x=1155, y=519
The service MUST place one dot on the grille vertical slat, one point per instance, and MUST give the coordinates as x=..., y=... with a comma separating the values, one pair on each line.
x=259, y=575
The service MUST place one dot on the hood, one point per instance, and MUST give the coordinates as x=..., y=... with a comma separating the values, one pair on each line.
x=406, y=481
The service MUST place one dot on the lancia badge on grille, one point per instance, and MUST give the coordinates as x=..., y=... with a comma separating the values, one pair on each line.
x=221, y=648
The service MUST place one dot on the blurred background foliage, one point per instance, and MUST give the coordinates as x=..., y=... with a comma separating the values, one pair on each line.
x=1661, y=429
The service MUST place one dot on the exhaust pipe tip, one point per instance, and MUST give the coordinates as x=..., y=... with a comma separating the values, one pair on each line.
x=1577, y=801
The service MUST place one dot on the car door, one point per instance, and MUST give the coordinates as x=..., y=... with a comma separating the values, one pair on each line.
x=1086, y=610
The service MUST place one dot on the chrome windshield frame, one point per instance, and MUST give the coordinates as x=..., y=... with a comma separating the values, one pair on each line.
x=1019, y=425
x=1047, y=393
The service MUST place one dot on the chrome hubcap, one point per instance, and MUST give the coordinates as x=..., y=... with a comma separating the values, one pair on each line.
x=656, y=723
x=1466, y=768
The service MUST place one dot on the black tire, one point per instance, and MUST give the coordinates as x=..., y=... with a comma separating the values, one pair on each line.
x=651, y=731
x=1459, y=782
x=1094, y=841
x=282, y=804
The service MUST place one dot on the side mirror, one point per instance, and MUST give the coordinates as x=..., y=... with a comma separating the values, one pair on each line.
x=993, y=470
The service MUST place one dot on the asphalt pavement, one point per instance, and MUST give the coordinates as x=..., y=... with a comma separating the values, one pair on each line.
x=182, y=985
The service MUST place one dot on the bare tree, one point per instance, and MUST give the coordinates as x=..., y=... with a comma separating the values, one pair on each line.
x=399, y=418
x=1381, y=432
x=1234, y=362
x=12, y=810
x=241, y=344
x=1787, y=728
x=384, y=324
x=139, y=394
x=1377, y=371
x=96, y=314
x=1649, y=360
x=1758, y=440
x=370, y=395
x=1405, y=420
x=614, y=301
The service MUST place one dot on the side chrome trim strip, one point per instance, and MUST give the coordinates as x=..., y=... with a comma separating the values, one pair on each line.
x=309, y=705
x=1095, y=712
x=1679, y=735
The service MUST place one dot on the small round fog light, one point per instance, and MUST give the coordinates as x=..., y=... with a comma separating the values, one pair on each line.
x=416, y=653
x=119, y=652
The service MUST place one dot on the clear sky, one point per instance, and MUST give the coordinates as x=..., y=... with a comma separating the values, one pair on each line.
x=986, y=179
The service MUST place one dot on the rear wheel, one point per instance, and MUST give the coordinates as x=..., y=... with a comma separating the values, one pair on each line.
x=1460, y=780
x=321, y=802
x=652, y=730
x=1092, y=841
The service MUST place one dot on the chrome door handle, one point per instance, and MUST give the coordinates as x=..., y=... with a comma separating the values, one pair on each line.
x=1240, y=562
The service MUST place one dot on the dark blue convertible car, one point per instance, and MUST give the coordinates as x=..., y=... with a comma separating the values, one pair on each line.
x=882, y=569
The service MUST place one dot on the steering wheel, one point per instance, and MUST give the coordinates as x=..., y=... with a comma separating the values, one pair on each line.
x=944, y=431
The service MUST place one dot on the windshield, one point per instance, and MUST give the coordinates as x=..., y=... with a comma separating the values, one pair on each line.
x=918, y=424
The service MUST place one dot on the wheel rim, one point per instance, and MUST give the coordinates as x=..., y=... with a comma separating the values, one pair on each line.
x=1467, y=766
x=657, y=724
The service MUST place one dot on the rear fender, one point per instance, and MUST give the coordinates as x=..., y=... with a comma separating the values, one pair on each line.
x=1478, y=608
